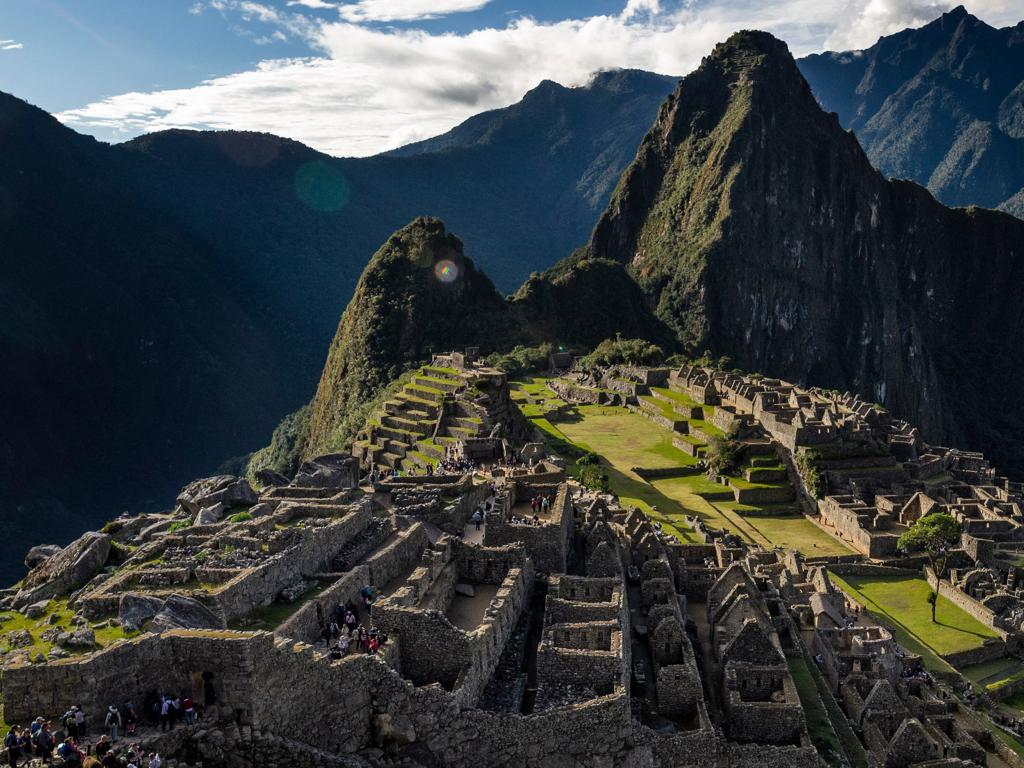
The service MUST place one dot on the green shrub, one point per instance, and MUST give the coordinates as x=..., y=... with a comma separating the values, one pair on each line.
x=178, y=525
x=240, y=517
x=620, y=351
x=811, y=475
x=593, y=477
x=522, y=359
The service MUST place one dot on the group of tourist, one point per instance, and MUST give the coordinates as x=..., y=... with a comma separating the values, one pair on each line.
x=344, y=633
x=41, y=742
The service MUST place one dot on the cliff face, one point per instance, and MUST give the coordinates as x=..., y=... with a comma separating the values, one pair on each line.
x=419, y=294
x=758, y=228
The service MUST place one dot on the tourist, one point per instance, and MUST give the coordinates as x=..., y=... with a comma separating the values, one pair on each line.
x=165, y=713
x=189, y=709
x=373, y=645
x=154, y=760
x=14, y=742
x=131, y=719
x=103, y=746
x=69, y=752
x=43, y=742
x=80, y=723
x=478, y=518
x=113, y=721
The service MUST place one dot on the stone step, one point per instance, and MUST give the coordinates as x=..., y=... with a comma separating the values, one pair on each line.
x=432, y=450
x=401, y=435
x=461, y=432
x=467, y=422
x=396, y=447
x=445, y=385
x=391, y=459
x=441, y=373
x=420, y=394
x=409, y=425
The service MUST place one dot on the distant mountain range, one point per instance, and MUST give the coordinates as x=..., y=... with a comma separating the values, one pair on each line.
x=165, y=301
x=942, y=105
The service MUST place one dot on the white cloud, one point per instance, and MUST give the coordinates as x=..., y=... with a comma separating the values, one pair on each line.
x=864, y=23
x=404, y=10
x=10, y=45
x=372, y=88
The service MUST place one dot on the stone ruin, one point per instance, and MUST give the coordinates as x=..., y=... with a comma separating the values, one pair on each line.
x=583, y=635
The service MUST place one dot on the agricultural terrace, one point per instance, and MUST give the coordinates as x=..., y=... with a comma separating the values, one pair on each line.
x=625, y=439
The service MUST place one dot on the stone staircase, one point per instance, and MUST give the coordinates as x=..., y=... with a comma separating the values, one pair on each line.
x=434, y=409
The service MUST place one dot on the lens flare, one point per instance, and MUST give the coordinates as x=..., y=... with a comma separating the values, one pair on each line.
x=446, y=271
x=322, y=186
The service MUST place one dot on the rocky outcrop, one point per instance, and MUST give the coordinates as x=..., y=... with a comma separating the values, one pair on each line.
x=135, y=610
x=67, y=570
x=222, y=489
x=179, y=612
x=39, y=554
x=334, y=470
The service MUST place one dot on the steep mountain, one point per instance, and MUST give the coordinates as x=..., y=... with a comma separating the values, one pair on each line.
x=757, y=228
x=167, y=300
x=419, y=294
x=942, y=105
x=130, y=358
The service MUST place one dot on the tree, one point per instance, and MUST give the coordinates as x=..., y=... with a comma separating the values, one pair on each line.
x=933, y=534
x=589, y=473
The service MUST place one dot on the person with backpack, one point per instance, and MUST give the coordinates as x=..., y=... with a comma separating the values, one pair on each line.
x=68, y=719
x=113, y=721
x=43, y=742
x=165, y=713
x=14, y=741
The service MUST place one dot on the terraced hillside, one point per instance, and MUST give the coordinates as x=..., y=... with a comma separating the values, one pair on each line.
x=438, y=406
x=650, y=450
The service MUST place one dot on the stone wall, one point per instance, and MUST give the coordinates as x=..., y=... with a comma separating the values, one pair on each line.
x=313, y=554
x=383, y=566
x=547, y=544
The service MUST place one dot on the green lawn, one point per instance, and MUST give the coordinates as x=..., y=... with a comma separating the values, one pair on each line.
x=994, y=674
x=819, y=726
x=60, y=614
x=624, y=439
x=901, y=604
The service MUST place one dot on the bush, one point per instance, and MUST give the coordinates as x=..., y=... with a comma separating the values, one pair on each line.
x=593, y=477
x=178, y=525
x=811, y=475
x=620, y=351
x=522, y=359
x=724, y=455
x=240, y=517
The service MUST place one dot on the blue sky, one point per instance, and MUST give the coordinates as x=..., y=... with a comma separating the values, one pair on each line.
x=361, y=76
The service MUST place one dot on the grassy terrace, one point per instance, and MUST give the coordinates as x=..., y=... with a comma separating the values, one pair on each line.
x=900, y=603
x=58, y=613
x=624, y=440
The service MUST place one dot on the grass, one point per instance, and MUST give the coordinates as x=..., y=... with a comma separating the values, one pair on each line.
x=270, y=617
x=624, y=439
x=900, y=603
x=819, y=726
x=13, y=622
x=995, y=674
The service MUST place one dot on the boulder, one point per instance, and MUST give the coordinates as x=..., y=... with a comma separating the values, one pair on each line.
x=153, y=529
x=334, y=470
x=180, y=612
x=40, y=554
x=467, y=590
x=36, y=610
x=221, y=489
x=134, y=610
x=393, y=729
x=268, y=477
x=261, y=510
x=210, y=515
x=80, y=638
x=66, y=571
